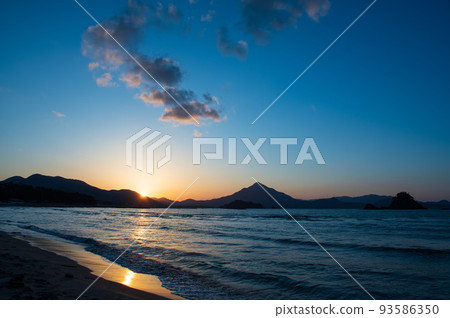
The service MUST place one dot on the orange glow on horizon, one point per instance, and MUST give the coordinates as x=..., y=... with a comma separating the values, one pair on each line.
x=143, y=193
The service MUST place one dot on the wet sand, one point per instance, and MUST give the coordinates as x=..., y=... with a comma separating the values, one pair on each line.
x=28, y=270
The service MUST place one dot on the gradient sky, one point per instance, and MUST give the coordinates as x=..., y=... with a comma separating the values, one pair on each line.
x=377, y=103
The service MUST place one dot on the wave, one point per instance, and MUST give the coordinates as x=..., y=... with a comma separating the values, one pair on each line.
x=295, y=241
x=200, y=275
x=196, y=279
x=175, y=279
x=189, y=284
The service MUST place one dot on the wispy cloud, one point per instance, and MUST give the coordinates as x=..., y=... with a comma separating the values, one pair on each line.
x=228, y=48
x=132, y=79
x=216, y=100
x=128, y=28
x=58, y=114
x=105, y=80
x=261, y=18
x=197, y=133
x=316, y=8
x=208, y=16
x=93, y=65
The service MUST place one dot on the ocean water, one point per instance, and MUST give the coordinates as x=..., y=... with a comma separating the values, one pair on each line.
x=262, y=254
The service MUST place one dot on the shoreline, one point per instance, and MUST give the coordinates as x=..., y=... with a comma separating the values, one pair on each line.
x=39, y=268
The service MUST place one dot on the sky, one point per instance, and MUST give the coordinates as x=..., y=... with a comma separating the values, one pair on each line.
x=376, y=103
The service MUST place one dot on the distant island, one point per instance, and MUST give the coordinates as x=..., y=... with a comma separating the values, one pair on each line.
x=242, y=205
x=402, y=201
x=41, y=190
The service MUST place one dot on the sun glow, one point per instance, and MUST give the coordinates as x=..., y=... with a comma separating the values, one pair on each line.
x=143, y=193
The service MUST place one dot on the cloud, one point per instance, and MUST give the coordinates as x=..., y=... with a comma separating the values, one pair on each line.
x=263, y=17
x=105, y=80
x=93, y=65
x=197, y=133
x=114, y=58
x=208, y=16
x=316, y=9
x=228, y=48
x=132, y=79
x=172, y=112
x=216, y=100
x=173, y=13
x=58, y=114
x=164, y=70
x=128, y=28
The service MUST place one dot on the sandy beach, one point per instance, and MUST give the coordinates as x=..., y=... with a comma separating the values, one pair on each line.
x=28, y=272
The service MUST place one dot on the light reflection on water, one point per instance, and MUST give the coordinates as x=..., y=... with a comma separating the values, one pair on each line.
x=262, y=254
x=128, y=278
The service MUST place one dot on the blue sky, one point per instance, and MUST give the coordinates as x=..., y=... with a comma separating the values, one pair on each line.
x=377, y=103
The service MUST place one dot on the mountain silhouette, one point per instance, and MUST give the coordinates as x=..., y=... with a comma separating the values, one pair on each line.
x=255, y=194
x=376, y=200
x=29, y=195
x=125, y=198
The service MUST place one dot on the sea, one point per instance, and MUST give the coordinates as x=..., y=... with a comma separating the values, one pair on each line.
x=262, y=253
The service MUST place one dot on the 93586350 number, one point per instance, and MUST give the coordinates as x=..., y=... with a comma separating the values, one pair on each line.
x=409, y=309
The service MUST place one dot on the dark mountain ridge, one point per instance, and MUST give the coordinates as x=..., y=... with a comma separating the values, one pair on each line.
x=120, y=198
x=28, y=195
x=254, y=193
